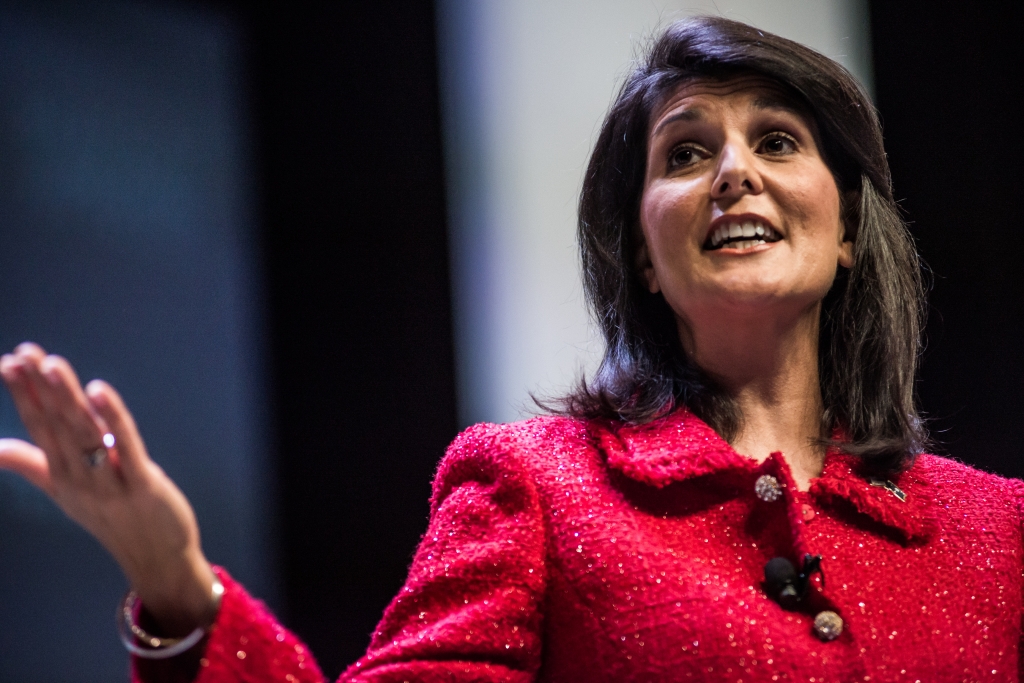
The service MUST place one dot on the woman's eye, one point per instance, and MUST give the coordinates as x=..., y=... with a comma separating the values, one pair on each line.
x=683, y=156
x=778, y=143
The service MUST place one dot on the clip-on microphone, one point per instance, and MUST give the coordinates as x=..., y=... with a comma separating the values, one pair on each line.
x=785, y=585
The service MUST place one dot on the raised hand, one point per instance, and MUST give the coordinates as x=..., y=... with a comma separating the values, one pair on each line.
x=90, y=459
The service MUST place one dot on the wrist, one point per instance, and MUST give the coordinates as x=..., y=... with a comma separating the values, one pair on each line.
x=180, y=603
x=144, y=644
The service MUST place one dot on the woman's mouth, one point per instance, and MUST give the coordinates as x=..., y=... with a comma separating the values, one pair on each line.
x=744, y=234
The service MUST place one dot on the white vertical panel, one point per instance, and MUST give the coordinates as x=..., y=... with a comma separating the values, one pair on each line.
x=526, y=84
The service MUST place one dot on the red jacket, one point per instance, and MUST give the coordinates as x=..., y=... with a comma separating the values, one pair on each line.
x=563, y=550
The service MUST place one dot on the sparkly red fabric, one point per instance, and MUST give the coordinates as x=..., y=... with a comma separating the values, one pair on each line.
x=562, y=550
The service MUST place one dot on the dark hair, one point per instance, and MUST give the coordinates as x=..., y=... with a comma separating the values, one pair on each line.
x=871, y=318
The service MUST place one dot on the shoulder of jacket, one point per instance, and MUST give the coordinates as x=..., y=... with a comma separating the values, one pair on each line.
x=514, y=450
x=525, y=445
x=950, y=476
x=524, y=438
x=949, y=468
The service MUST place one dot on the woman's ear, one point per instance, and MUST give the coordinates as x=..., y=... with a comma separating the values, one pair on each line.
x=646, y=268
x=848, y=226
x=845, y=252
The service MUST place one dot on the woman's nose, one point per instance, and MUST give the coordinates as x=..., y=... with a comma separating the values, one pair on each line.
x=736, y=174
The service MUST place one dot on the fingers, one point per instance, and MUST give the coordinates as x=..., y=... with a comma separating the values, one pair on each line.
x=28, y=461
x=150, y=528
x=68, y=422
x=15, y=370
x=73, y=423
x=131, y=450
x=58, y=416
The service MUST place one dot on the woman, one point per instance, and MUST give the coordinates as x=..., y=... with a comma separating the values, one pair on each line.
x=751, y=431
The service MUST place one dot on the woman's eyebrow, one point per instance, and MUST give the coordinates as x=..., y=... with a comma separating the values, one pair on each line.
x=776, y=104
x=694, y=114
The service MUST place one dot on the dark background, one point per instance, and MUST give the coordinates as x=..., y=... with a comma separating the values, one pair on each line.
x=949, y=80
x=360, y=317
x=127, y=243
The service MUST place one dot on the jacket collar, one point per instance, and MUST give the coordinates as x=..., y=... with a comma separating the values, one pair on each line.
x=680, y=446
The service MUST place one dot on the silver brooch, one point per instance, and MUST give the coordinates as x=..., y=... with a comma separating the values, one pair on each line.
x=767, y=488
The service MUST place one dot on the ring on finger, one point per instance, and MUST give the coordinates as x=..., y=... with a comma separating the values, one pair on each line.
x=97, y=456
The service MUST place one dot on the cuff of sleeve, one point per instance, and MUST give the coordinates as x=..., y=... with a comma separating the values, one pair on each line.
x=245, y=643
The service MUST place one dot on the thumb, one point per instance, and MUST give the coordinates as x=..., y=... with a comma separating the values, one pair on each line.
x=28, y=461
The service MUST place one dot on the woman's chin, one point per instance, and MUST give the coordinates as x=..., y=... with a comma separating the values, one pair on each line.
x=757, y=300
x=763, y=286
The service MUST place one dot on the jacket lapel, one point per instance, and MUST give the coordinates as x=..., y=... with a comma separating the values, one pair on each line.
x=915, y=517
x=681, y=446
x=672, y=448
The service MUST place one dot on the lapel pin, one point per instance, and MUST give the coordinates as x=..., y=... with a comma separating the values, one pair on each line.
x=891, y=488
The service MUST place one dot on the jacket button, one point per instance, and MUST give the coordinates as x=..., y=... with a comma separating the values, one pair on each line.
x=767, y=488
x=807, y=512
x=828, y=625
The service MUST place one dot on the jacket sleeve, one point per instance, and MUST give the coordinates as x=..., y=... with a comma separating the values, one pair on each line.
x=245, y=644
x=1018, y=489
x=470, y=609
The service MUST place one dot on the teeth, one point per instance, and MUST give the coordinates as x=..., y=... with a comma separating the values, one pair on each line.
x=747, y=229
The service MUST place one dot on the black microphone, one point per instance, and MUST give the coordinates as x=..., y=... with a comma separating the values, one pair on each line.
x=780, y=580
x=785, y=585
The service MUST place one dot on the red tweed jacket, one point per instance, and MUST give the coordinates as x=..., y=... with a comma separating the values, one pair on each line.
x=563, y=550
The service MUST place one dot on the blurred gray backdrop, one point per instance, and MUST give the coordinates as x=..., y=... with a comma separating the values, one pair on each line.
x=127, y=245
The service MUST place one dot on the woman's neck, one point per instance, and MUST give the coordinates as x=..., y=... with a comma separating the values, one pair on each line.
x=770, y=370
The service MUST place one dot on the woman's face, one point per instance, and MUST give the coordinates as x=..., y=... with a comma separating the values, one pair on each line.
x=740, y=215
